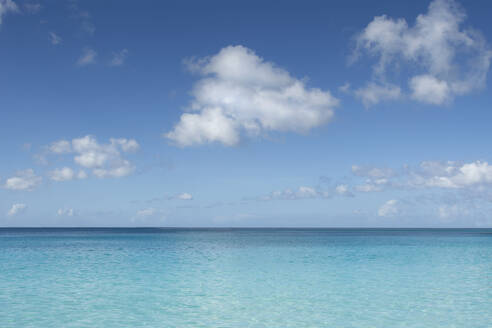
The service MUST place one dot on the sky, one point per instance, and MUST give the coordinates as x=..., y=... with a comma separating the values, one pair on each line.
x=245, y=113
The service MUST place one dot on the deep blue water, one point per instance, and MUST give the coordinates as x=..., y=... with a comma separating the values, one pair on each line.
x=245, y=278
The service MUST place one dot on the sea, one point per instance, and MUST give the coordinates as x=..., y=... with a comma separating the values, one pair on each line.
x=172, y=277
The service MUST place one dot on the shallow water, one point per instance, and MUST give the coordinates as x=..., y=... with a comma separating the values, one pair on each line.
x=245, y=278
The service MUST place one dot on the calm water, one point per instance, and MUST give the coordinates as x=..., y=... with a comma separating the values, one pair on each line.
x=245, y=278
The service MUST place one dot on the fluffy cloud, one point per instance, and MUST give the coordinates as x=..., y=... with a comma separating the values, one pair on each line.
x=62, y=174
x=450, y=60
x=453, y=175
x=119, y=58
x=105, y=160
x=7, y=6
x=23, y=180
x=240, y=93
x=429, y=89
x=16, y=209
x=60, y=147
x=88, y=57
x=389, y=209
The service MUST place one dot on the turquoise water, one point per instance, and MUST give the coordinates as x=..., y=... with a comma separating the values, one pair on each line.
x=245, y=278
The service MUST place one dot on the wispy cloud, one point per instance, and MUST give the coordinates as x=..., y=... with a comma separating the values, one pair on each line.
x=7, y=6
x=389, y=209
x=55, y=39
x=88, y=57
x=32, y=7
x=83, y=16
x=17, y=209
x=119, y=58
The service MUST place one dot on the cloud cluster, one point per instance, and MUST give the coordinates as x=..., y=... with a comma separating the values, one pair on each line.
x=65, y=174
x=302, y=192
x=306, y=192
x=23, y=180
x=449, y=59
x=104, y=160
x=453, y=175
x=240, y=93
x=428, y=174
x=17, y=209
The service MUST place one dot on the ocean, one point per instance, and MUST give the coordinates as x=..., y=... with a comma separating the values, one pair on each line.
x=246, y=278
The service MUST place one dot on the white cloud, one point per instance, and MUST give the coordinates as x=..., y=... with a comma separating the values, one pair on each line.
x=368, y=187
x=62, y=174
x=454, y=175
x=428, y=174
x=105, y=160
x=427, y=88
x=374, y=93
x=342, y=189
x=389, y=208
x=16, y=209
x=60, y=147
x=55, y=38
x=65, y=212
x=185, y=196
x=119, y=58
x=88, y=57
x=146, y=212
x=7, y=6
x=23, y=180
x=449, y=59
x=302, y=192
x=240, y=93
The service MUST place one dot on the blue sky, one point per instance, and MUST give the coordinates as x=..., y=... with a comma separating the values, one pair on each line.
x=185, y=113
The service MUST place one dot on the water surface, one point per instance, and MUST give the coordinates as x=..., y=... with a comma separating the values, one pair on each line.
x=245, y=278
